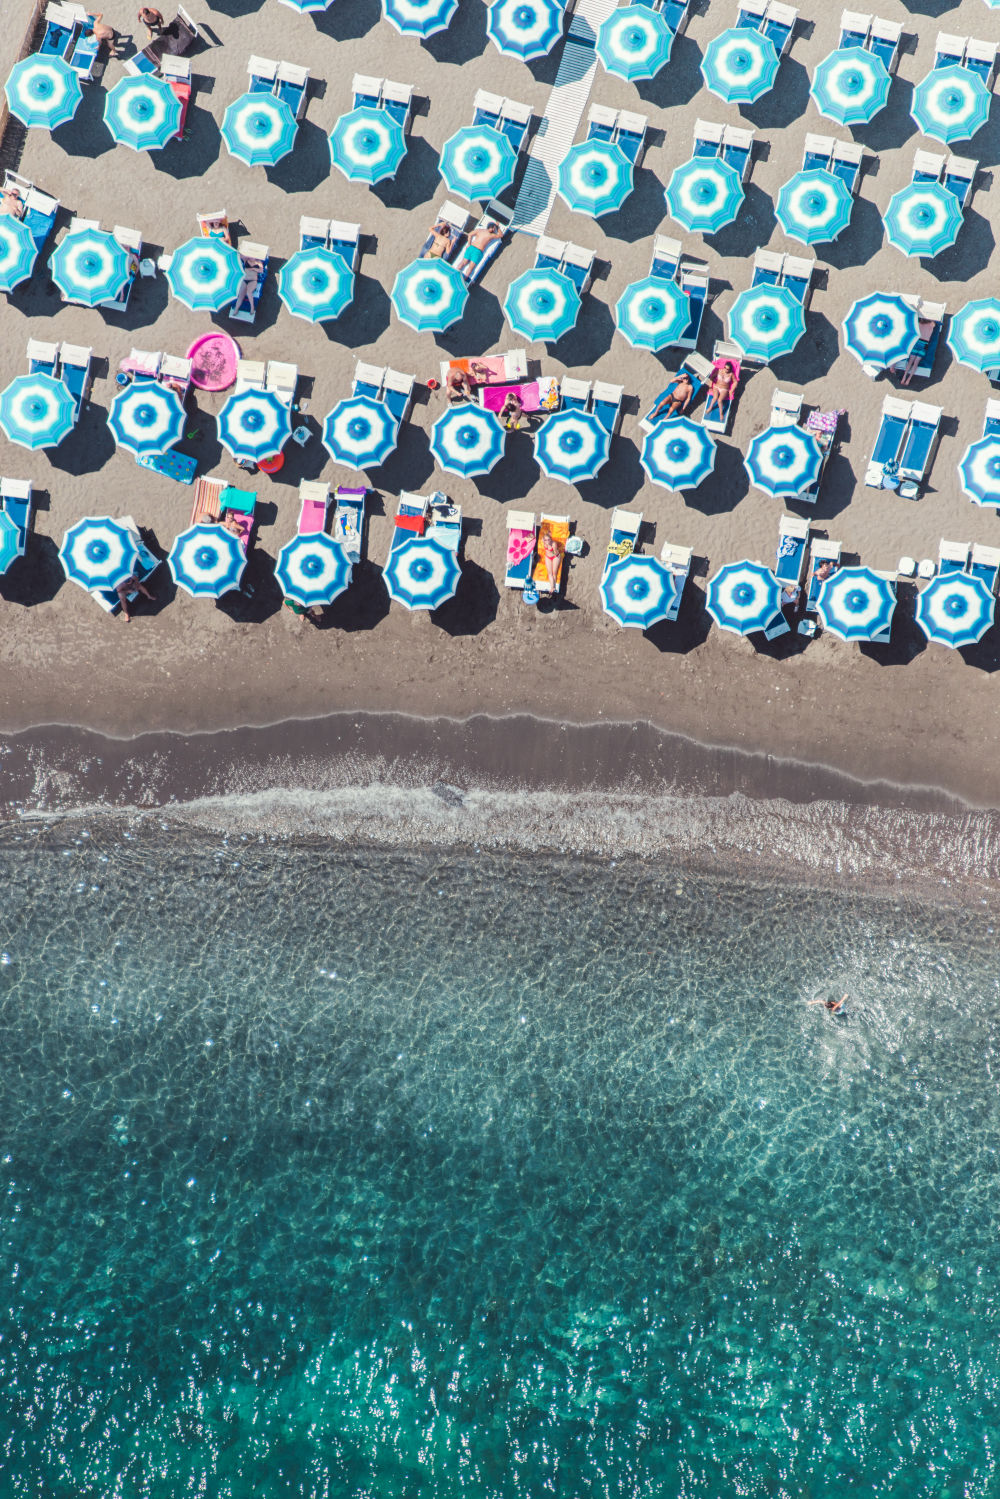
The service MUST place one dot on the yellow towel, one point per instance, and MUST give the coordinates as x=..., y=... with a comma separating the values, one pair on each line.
x=559, y=531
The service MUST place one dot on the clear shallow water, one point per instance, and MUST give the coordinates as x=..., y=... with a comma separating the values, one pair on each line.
x=347, y=1173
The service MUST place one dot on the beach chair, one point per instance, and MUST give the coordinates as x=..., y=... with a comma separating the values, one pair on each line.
x=678, y=560
x=39, y=209
x=723, y=353
x=397, y=393
x=205, y=506
x=250, y=250
x=366, y=92
x=444, y=521
x=698, y=370
x=487, y=109
x=991, y=417
x=263, y=73
x=888, y=440
x=74, y=371
x=345, y=240
x=458, y=221
x=491, y=369
x=314, y=501
x=496, y=213
x=885, y=635
x=57, y=38
x=515, y=122
x=786, y=408
x=737, y=149
x=251, y=374
x=215, y=225
x=693, y=281
x=792, y=556
x=618, y=127
x=981, y=59
x=984, y=564
x=885, y=40
x=607, y=405
x=949, y=51
x=578, y=265
x=822, y=551
x=854, y=29
x=918, y=448
x=557, y=527
x=83, y=50
x=823, y=426
x=925, y=348
x=959, y=176
x=282, y=379
x=131, y=242
x=143, y=364
x=314, y=234
x=43, y=358
x=17, y=502
x=178, y=38
x=522, y=532
x=349, y=521
x=574, y=395
x=775, y=21
x=177, y=72
x=145, y=566
x=767, y=266
x=397, y=100
x=665, y=261
x=625, y=528
x=411, y=519
x=242, y=504
x=953, y=556
x=175, y=372
x=368, y=380
x=291, y=84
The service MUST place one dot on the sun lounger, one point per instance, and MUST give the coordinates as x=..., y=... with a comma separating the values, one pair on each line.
x=17, y=503
x=786, y=408
x=698, y=370
x=458, y=221
x=397, y=100
x=823, y=426
x=444, y=521
x=57, y=37
x=83, y=50
x=574, y=395
x=282, y=379
x=678, y=560
x=368, y=380
x=178, y=38
x=366, y=92
x=666, y=257
x=215, y=225
x=251, y=374
x=43, y=358
x=556, y=526
x=921, y=440
x=854, y=29
x=205, y=508
x=991, y=419
x=249, y=250
x=345, y=241
x=733, y=143
x=74, y=371
x=314, y=501
x=925, y=348
x=953, y=556
x=145, y=567
x=494, y=213
x=131, y=242
x=607, y=405
x=240, y=503
x=793, y=549
x=949, y=51
x=490, y=369
x=521, y=535
x=884, y=636
x=142, y=364
x=618, y=127
x=397, y=393
x=314, y=234
x=39, y=209
x=959, y=177
x=981, y=58
x=177, y=72
x=505, y=115
x=291, y=84
x=625, y=528
x=349, y=521
x=888, y=440
x=694, y=284
x=927, y=166
x=985, y=564
x=411, y=519
x=175, y=372
x=723, y=353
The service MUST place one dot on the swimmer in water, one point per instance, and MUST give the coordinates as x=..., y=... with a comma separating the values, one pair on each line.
x=835, y=1006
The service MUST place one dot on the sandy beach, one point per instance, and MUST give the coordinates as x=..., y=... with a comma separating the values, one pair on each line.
x=909, y=714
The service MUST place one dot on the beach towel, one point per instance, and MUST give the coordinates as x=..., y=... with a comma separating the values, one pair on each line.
x=824, y=421
x=519, y=544
x=559, y=531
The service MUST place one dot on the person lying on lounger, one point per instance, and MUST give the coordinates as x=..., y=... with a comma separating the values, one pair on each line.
x=720, y=387
x=457, y=387
x=217, y=228
x=438, y=242
x=479, y=241
x=925, y=328
x=552, y=556
x=675, y=399
x=824, y=570
x=134, y=584
x=252, y=272
x=512, y=411
x=11, y=202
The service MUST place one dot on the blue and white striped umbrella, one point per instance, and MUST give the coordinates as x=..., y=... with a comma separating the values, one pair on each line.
x=98, y=553
x=638, y=591
x=18, y=252
x=881, y=329
x=979, y=470
x=855, y=603
x=429, y=295
x=923, y=219
x=467, y=440
x=951, y=104
x=814, y=206
x=254, y=424
x=205, y=274
x=37, y=411
x=421, y=18
x=367, y=145
x=207, y=561
x=634, y=42
x=542, y=304
x=313, y=569
x=704, y=194
x=851, y=86
x=740, y=65
x=259, y=129
x=43, y=92
x=595, y=177
x=142, y=112
x=316, y=284
x=783, y=460
x=678, y=454
x=652, y=313
x=955, y=609
x=766, y=322
x=90, y=266
x=525, y=28
x=308, y=7
x=360, y=432
x=421, y=573
x=477, y=162
x=572, y=446
x=743, y=597
x=974, y=334
x=10, y=541
x=146, y=418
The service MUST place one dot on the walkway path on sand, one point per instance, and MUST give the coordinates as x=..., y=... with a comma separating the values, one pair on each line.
x=563, y=113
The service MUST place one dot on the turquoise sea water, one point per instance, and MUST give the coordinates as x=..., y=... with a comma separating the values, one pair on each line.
x=368, y=1173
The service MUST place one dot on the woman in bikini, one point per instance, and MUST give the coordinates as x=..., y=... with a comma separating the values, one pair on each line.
x=720, y=387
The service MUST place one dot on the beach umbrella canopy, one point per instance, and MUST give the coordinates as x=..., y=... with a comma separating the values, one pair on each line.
x=850, y=86
x=37, y=411
x=955, y=609
x=477, y=162
x=766, y=322
x=259, y=129
x=678, y=454
x=142, y=112
x=421, y=573
x=855, y=603
x=634, y=42
x=360, y=432
x=18, y=252
x=595, y=177
x=98, y=553
x=205, y=274
x=316, y=284
x=421, y=18
x=974, y=334
x=429, y=295
x=525, y=28
x=313, y=569
x=10, y=541
x=951, y=104
x=744, y=597
x=784, y=460
x=467, y=440
x=43, y=91
x=572, y=446
x=542, y=304
x=254, y=424
x=814, y=206
x=740, y=65
x=881, y=329
x=367, y=145
x=146, y=418
x=923, y=219
x=309, y=7
x=207, y=561
x=652, y=313
x=90, y=266
x=704, y=194
x=638, y=591
x=979, y=470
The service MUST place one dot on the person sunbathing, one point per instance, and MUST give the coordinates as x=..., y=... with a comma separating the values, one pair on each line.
x=217, y=228
x=230, y=521
x=11, y=202
x=457, y=387
x=134, y=584
x=479, y=242
x=253, y=270
x=512, y=411
x=720, y=387
x=824, y=570
x=438, y=242
x=925, y=329
x=552, y=557
x=675, y=399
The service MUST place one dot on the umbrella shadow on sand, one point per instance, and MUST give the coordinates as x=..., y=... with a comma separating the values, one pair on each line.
x=307, y=163
x=417, y=180
x=36, y=577
x=813, y=355
x=86, y=133
x=365, y=319
x=642, y=212
x=985, y=654
x=365, y=603
x=410, y=465
x=907, y=640
x=785, y=102
x=88, y=447
x=691, y=628
x=474, y=605
x=751, y=228
x=970, y=253
x=463, y=39
x=345, y=22
x=679, y=81
x=200, y=148
x=725, y=486
x=860, y=240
